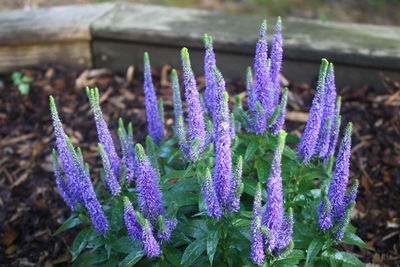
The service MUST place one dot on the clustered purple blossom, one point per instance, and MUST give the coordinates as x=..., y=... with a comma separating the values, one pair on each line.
x=192, y=140
x=322, y=128
x=155, y=123
x=76, y=187
x=335, y=206
x=209, y=63
x=271, y=230
x=128, y=149
x=152, y=212
x=222, y=192
x=267, y=107
x=103, y=132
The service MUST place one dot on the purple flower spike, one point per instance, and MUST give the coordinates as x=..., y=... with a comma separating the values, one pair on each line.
x=237, y=186
x=155, y=124
x=337, y=188
x=219, y=90
x=103, y=132
x=310, y=136
x=222, y=176
x=111, y=180
x=128, y=150
x=324, y=138
x=344, y=222
x=261, y=72
x=280, y=121
x=335, y=130
x=197, y=130
x=165, y=228
x=351, y=195
x=61, y=185
x=257, y=204
x=181, y=134
x=66, y=159
x=151, y=247
x=276, y=61
x=330, y=93
x=251, y=97
x=259, y=121
x=87, y=193
x=147, y=183
x=328, y=114
x=286, y=233
x=176, y=93
x=325, y=213
x=131, y=223
x=209, y=62
x=257, y=253
x=210, y=198
x=273, y=218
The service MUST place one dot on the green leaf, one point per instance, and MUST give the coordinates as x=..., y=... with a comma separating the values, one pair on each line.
x=90, y=258
x=184, y=185
x=181, y=199
x=68, y=224
x=117, y=216
x=196, y=229
x=16, y=76
x=212, y=243
x=314, y=173
x=313, y=249
x=173, y=255
x=292, y=259
x=24, y=88
x=193, y=251
x=251, y=149
x=262, y=170
x=80, y=242
x=179, y=174
x=345, y=259
x=353, y=239
x=126, y=245
x=26, y=79
x=132, y=258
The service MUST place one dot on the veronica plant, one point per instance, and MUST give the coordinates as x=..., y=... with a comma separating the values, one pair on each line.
x=230, y=188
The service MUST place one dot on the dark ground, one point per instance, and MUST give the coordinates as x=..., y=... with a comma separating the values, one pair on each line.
x=31, y=207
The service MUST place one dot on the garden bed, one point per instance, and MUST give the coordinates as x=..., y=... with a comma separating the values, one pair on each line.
x=32, y=208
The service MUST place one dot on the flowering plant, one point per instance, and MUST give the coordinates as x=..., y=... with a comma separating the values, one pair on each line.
x=230, y=188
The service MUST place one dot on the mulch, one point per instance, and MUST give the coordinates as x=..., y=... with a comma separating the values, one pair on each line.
x=31, y=208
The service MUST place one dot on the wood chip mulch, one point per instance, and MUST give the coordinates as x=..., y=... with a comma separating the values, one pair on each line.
x=31, y=208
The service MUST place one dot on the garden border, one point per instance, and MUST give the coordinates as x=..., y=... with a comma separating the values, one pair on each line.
x=115, y=35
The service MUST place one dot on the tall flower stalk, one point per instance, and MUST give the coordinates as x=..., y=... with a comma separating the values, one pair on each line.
x=276, y=62
x=309, y=138
x=79, y=186
x=103, y=132
x=193, y=140
x=155, y=123
x=271, y=229
x=335, y=206
x=147, y=182
x=209, y=63
x=274, y=214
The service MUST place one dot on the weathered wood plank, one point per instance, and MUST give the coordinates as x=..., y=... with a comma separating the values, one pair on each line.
x=75, y=54
x=119, y=55
x=305, y=40
x=55, y=24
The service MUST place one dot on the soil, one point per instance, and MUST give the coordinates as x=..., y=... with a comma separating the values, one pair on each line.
x=31, y=208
